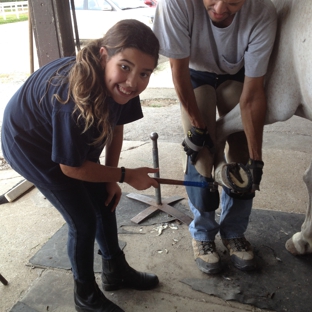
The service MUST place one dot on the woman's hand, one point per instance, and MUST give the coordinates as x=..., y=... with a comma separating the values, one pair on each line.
x=139, y=178
x=113, y=194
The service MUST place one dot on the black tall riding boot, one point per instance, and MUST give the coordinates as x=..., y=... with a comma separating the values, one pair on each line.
x=117, y=273
x=88, y=297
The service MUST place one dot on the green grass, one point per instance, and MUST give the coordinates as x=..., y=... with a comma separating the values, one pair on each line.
x=12, y=18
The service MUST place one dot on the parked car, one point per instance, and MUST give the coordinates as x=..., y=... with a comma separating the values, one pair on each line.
x=95, y=17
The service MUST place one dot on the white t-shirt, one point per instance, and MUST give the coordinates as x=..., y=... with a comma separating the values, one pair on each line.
x=184, y=29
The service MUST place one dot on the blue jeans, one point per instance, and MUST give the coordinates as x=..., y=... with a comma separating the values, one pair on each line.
x=233, y=220
x=235, y=212
x=82, y=206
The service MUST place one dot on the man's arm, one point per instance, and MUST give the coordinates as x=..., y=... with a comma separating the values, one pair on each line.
x=253, y=109
x=182, y=83
x=197, y=137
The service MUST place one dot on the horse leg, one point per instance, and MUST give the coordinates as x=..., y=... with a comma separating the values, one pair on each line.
x=301, y=242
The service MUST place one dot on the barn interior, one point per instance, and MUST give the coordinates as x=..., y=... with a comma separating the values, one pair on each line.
x=33, y=258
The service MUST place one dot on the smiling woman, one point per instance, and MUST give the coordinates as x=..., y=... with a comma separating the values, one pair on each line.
x=127, y=73
x=70, y=109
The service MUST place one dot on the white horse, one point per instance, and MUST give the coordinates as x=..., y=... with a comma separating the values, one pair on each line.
x=289, y=92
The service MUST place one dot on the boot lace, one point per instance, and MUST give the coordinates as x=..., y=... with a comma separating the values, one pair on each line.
x=206, y=247
x=239, y=244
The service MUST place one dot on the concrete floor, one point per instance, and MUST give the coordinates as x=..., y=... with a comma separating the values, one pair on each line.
x=29, y=222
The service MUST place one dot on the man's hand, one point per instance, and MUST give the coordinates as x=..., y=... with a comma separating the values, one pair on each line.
x=195, y=140
x=255, y=167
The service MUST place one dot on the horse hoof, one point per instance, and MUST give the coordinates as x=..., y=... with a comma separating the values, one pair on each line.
x=237, y=177
x=290, y=247
x=297, y=245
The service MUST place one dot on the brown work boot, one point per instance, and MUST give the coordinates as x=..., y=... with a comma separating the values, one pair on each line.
x=241, y=253
x=206, y=256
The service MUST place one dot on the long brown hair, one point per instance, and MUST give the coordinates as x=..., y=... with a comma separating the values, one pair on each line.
x=86, y=78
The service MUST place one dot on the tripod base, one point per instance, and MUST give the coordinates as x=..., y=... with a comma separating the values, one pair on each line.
x=165, y=207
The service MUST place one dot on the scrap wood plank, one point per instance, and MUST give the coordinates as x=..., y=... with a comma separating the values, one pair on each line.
x=16, y=191
x=3, y=280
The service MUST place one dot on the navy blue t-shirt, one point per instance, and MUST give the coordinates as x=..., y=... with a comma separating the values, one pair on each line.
x=39, y=133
